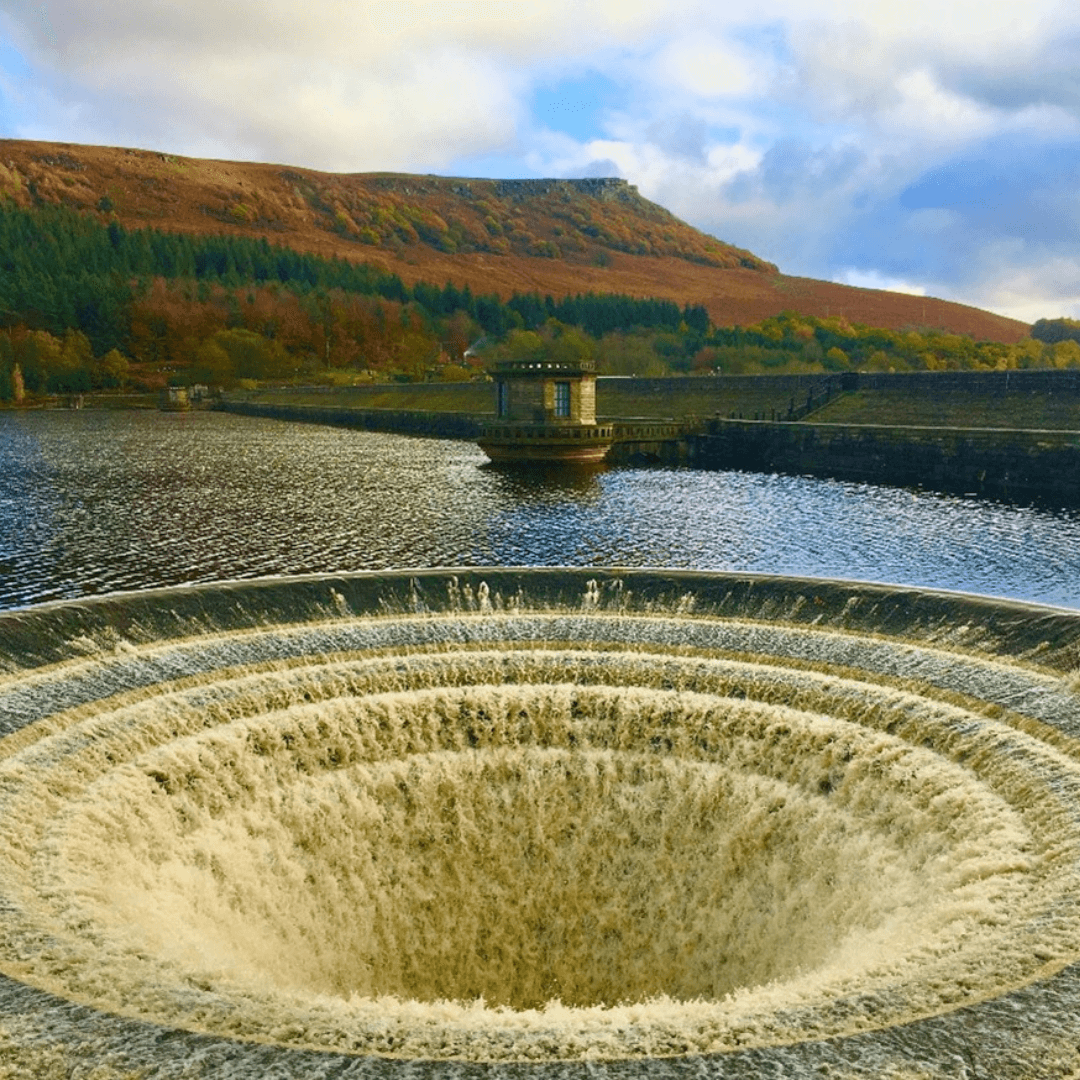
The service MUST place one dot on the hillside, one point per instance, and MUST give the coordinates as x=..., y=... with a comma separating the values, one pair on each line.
x=549, y=236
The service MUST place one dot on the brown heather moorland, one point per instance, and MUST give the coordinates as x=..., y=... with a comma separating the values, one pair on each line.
x=554, y=237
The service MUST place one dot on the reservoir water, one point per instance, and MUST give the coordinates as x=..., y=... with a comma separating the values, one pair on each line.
x=94, y=502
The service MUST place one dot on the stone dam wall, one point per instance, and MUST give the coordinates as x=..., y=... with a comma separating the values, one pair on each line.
x=437, y=425
x=748, y=397
x=745, y=422
x=996, y=463
x=977, y=456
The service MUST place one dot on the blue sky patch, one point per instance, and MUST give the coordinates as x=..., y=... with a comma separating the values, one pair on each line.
x=1024, y=190
x=507, y=166
x=13, y=66
x=577, y=107
x=768, y=38
x=12, y=62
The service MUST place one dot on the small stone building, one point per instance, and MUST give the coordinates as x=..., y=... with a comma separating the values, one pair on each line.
x=546, y=411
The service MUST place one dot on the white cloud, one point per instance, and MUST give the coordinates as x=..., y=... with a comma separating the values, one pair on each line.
x=872, y=279
x=328, y=83
x=1025, y=284
x=934, y=115
x=706, y=67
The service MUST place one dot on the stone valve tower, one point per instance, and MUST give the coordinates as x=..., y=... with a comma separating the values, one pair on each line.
x=546, y=412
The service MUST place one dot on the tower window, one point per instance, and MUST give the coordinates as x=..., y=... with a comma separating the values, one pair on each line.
x=562, y=399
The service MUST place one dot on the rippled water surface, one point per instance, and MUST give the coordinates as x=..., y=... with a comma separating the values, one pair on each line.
x=97, y=501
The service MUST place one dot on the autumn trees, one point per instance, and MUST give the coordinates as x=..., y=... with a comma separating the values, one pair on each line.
x=1053, y=331
x=86, y=305
x=225, y=308
x=36, y=362
x=791, y=342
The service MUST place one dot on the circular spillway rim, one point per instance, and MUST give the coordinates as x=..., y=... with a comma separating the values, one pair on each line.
x=1033, y=635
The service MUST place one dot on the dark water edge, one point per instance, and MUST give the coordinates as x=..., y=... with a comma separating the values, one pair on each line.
x=94, y=502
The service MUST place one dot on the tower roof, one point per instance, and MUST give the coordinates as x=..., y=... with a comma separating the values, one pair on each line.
x=543, y=368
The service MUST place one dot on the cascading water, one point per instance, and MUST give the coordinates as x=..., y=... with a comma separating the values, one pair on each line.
x=541, y=821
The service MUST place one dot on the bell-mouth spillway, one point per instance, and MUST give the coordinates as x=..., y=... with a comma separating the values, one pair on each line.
x=540, y=821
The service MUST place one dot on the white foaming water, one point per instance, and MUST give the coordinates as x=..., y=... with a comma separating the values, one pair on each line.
x=520, y=835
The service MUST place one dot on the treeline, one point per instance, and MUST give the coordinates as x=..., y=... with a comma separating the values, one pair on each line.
x=600, y=314
x=85, y=305
x=159, y=298
x=791, y=343
x=36, y=362
x=1054, y=330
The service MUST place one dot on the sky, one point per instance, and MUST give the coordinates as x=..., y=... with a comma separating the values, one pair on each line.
x=928, y=146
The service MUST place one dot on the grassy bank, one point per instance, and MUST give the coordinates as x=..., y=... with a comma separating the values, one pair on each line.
x=1038, y=411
